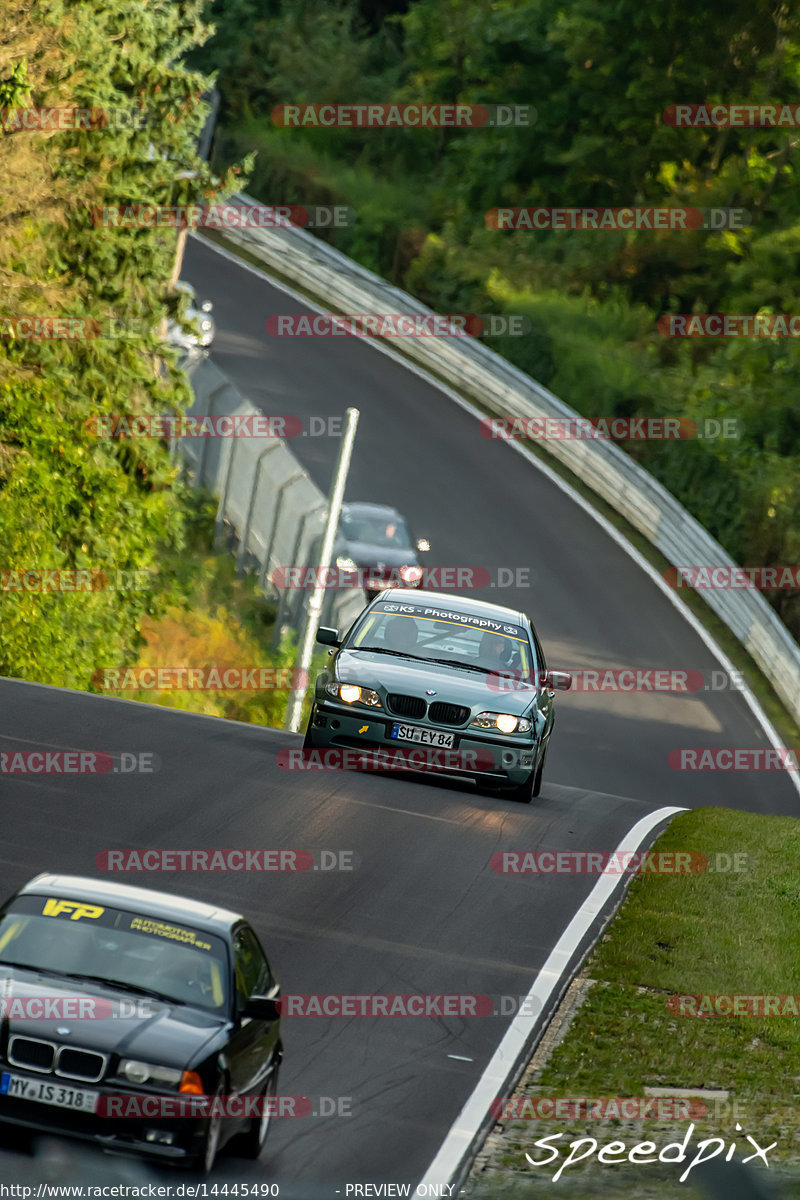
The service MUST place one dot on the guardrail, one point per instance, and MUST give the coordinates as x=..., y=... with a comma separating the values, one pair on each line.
x=274, y=508
x=341, y=285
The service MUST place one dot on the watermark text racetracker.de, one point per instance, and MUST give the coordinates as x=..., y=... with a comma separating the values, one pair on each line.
x=615, y=862
x=649, y=680
x=167, y=426
x=732, y=116
x=723, y=578
x=438, y=579
x=204, y=679
x=734, y=1005
x=609, y=429
x=16, y=1004
x=597, y=1108
x=402, y=116
x=418, y=758
x=222, y=216
x=193, y=1106
x=734, y=758
x=58, y=120
x=407, y=1004
x=616, y=220
x=400, y=325
x=27, y=580
x=729, y=325
x=222, y=859
x=78, y=762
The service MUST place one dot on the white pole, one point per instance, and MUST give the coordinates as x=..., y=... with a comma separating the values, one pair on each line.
x=295, y=706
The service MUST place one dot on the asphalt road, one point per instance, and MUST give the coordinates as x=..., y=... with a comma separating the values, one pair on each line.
x=422, y=912
x=480, y=503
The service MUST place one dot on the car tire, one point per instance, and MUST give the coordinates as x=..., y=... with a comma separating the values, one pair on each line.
x=532, y=786
x=205, y=1160
x=250, y=1143
x=524, y=793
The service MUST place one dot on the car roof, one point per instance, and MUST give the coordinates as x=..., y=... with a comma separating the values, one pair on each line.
x=145, y=901
x=366, y=509
x=459, y=604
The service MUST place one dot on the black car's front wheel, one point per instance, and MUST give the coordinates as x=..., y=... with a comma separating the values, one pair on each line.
x=212, y=1134
x=250, y=1143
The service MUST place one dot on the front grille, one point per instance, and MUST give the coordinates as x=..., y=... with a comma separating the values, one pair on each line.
x=31, y=1053
x=448, y=714
x=50, y=1059
x=405, y=706
x=80, y=1064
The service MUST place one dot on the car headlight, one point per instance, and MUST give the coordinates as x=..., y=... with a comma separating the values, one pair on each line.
x=505, y=722
x=345, y=564
x=142, y=1072
x=411, y=574
x=351, y=693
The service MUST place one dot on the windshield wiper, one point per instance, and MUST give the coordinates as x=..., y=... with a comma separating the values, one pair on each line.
x=396, y=653
x=444, y=662
x=454, y=662
x=115, y=983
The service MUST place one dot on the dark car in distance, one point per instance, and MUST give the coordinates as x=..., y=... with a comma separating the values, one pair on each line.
x=127, y=1012
x=374, y=540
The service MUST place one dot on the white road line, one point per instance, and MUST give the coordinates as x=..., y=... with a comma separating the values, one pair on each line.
x=643, y=563
x=473, y=1115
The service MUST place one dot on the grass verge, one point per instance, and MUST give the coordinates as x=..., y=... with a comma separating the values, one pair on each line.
x=716, y=933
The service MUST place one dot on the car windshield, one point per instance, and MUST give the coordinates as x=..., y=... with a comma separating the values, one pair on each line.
x=459, y=638
x=75, y=937
x=388, y=531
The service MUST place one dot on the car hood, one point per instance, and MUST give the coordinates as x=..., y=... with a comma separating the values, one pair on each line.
x=364, y=554
x=170, y=1034
x=384, y=673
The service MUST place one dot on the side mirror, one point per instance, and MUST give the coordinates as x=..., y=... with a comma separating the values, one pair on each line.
x=206, y=306
x=262, y=1008
x=328, y=637
x=423, y=545
x=558, y=681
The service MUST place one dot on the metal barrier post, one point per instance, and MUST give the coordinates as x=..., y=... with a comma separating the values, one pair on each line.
x=283, y=600
x=240, y=553
x=287, y=483
x=223, y=500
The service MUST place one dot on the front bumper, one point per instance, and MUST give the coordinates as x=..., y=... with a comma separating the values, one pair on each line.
x=118, y=1134
x=501, y=761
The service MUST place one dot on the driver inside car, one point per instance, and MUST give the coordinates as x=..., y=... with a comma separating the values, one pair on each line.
x=400, y=635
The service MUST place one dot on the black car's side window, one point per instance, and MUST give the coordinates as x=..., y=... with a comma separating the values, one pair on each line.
x=253, y=976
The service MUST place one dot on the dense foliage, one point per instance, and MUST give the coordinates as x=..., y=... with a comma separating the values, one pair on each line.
x=599, y=75
x=69, y=500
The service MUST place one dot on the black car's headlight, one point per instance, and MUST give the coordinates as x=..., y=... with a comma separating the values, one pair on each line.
x=351, y=693
x=504, y=722
x=142, y=1072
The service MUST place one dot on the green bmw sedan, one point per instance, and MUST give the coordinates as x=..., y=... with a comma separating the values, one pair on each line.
x=442, y=683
